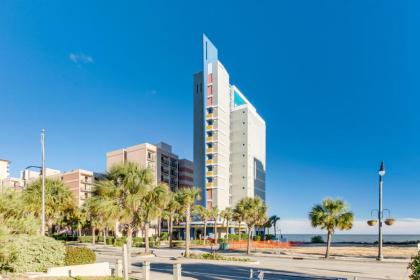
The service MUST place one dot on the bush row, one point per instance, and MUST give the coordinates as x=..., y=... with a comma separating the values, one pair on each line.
x=120, y=241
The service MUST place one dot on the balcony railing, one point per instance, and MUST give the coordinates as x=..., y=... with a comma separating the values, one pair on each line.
x=209, y=173
x=210, y=161
x=211, y=150
x=210, y=184
x=210, y=138
x=210, y=127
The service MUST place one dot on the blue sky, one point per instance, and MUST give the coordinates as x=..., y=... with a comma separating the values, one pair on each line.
x=336, y=81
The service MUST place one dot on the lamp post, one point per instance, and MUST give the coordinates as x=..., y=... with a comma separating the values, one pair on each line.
x=43, y=181
x=380, y=213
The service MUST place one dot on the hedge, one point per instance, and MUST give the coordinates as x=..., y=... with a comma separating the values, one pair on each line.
x=79, y=255
x=34, y=253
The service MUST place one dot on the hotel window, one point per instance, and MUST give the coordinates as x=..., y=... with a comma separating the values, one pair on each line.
x=210, y=78
x=209, y=194
x=209, y=90
x=209, y=101
x=210, y=110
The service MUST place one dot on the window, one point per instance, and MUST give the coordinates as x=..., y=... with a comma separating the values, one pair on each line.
x=210, y=78
x=209, y=90
x=210, y=110
x=209, y=101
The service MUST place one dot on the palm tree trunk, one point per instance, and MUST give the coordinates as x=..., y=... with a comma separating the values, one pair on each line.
x=129, y=244
x=79, y=230
x=170, y=229
x=227, y=229
x=275, y=231
x=205, y=232
x=159, y=227
x=105, y=236
x=187, y=231
x=146, y=237
x=115, y=234
x=93, y=235
x=327, y=252
x=215, y=231
x=248, y=247
x=239, y=230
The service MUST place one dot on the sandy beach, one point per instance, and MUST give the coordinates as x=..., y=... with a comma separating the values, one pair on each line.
x=355, y=250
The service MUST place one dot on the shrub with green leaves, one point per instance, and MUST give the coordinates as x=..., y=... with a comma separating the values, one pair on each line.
x=32, y=253
x=218, y=257
x=164, y=236
x=79, y=255
x=414, y=266
x=317, y=239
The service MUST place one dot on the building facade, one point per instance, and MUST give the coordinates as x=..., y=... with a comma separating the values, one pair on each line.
x=4, y=169
x=160, y=158
x=229, y=137
x=185, y=173
x=80, y=182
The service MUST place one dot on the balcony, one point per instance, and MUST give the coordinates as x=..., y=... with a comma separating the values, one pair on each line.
x=211, y=150
x=210, y=138
x=210, y=127
x=210, y=173
x=210, y=161
x=210, y=184
x=210, y=116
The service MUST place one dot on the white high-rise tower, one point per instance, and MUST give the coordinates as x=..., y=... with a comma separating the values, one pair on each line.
x=229, y=137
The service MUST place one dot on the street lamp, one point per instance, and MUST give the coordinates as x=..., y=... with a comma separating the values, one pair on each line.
x=380, y=213
x=389, y=221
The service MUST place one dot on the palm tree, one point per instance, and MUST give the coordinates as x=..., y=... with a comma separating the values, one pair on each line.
x=227, y=215
x=204, y=214
x=172, y=208
x=254, y=212
x=153, y=203
x=187, y=198
x=127, y=184
x=274, y=219
x=267, y=225
x=214, y=214
x=239, y=215
x=58, y=200
x=329, y=215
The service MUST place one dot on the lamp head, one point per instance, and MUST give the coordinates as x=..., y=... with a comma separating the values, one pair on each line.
x=382, y=169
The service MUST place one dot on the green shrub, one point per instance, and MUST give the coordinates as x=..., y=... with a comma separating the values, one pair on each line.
x=218, y=257
x=79, y=255
x=244, y=236
x=233, y=237
x=33, y=253
x=85, y=239
x=257, y=238
x=164, y=236
x=269, y=237
x=414, y=266
x=64, y=237
x=317, y=239
x=178, y=243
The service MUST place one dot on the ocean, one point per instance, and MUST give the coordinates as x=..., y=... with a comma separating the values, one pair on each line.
x=357, y=238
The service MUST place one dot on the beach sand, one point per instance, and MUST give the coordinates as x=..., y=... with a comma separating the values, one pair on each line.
x=355, y=250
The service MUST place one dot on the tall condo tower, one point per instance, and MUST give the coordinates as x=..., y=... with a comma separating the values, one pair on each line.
x=229, y=137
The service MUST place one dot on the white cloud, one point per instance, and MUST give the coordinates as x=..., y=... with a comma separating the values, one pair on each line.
x=80, y=58
x=401, y=226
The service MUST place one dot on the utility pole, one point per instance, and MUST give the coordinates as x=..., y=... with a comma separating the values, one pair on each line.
x=43, y=182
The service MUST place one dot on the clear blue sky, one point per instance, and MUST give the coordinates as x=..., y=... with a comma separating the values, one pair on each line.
x=336, y=81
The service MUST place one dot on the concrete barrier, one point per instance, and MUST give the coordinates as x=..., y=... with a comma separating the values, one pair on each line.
x=94, y=269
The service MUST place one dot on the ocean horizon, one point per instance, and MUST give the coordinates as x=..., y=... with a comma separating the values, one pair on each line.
x=356, y=238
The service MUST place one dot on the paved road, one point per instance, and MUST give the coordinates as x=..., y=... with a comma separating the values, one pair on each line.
x=273, y=267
